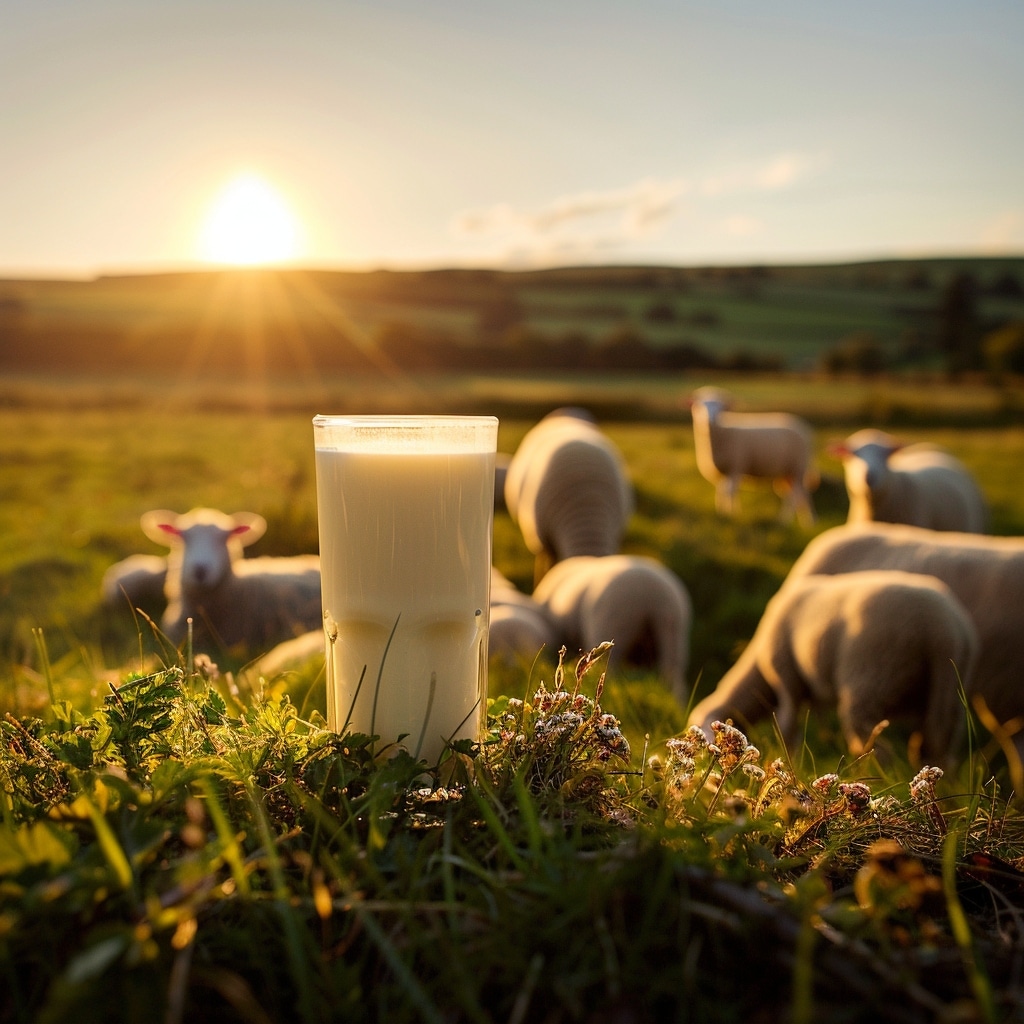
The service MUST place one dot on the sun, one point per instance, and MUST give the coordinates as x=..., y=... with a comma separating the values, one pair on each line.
x=249, y=223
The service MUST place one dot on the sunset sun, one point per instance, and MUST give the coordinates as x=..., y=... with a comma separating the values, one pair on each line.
x=249, y=223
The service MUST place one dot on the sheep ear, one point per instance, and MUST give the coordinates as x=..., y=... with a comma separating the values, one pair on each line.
x=249, y=527
x=160, y=525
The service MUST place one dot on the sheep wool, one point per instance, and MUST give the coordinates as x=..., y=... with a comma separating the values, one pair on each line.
x=235, y=603
x=136, y=581
x=876, y=645
x=733, y=446
x=634, y=601
x=985, y=573
x=919, y=485
x=520, y=628
x=568, y=490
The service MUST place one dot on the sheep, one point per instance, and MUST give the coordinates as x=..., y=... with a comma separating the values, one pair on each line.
x=568, y=490
x=731, y=446
x=985, y=573
x=235, y=603
x=877, y=644
x=519, y=627
x=291, y=654
x=137, y=581
x=919, y=485
x=632, y=600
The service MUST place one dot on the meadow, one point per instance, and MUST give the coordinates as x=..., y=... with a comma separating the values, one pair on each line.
x=82, y=463
x=389, y=907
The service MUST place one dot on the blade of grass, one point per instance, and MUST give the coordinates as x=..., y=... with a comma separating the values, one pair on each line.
x=44, y=662
x=232, y=851
x=973, y=968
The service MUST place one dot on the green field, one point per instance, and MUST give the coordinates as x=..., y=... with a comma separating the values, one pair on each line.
x=174, y=849
x=301, y=324
x=81, y=464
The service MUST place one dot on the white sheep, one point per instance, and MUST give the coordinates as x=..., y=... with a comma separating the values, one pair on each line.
x=519, y=626
x=234, y=602
x=876, y=645
x=136, y=581
x=985, y=573
x=290, y=654
x=568, y=489
x=732, y=446
x=920, y=485
x=633, y=601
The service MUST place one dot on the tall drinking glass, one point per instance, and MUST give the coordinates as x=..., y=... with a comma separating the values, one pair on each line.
x=406, y=511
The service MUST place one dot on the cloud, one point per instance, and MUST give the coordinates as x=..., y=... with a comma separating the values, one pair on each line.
x=778, y=172
x=639, y=208
x=598, y=221
x=741, y=226
x=1004, y=232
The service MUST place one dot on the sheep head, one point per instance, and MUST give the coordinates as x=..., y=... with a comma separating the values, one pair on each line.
x=710, y=401
x=203, y=543
x=865, y=456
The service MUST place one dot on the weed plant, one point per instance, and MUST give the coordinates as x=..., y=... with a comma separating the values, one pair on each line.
x=187, y=853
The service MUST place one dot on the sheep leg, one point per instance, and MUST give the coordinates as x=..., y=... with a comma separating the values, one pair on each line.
x=796, y=502
x=802, y=506
x=786, y=715
x=725, y=495
x=859, y=713
x=945, y=718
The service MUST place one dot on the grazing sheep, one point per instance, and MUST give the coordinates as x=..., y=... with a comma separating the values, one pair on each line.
x=291, y=654
x=519, y=627
x=919, y=485
x=136, y=581
x=985, y=573
x=234, y=602
x=731, y=446
x=634, y=601
x=568, y=490
x=878, y=645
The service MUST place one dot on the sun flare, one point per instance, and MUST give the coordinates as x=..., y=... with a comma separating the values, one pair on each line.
x=249, y=223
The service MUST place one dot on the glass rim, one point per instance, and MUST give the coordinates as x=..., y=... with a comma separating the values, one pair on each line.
x=400, y=420
x=412, y=434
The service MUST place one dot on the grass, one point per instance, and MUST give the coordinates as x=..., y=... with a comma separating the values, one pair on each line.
x=183, y=854
x=188, y=844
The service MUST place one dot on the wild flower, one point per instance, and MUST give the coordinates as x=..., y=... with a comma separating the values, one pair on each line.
x=690, y=744
x=610, y=736
x=824, y=784
x=922, y=793
x=857, y=796
x=730, y=746
x=560, y=742
x=922, y=786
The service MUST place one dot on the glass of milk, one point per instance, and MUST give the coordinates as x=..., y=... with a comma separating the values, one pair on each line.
x=406, y=510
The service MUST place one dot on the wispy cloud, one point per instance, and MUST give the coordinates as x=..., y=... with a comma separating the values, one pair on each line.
x=639, y=208
x=1004, y=232
x=593, y=221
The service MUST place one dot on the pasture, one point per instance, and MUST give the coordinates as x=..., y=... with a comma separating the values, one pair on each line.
x=81, y=463
x=221, y=860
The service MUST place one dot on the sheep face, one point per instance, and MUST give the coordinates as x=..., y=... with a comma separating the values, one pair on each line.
x=204, y=543
x=865, y=458
x=710, y=402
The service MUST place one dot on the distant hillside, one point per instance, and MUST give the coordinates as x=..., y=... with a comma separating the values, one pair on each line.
x=294, y=322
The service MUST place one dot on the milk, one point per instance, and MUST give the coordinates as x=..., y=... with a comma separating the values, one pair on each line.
x=405, y=548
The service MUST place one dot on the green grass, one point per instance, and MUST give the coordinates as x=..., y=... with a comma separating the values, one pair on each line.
x=183, y=854
x=78, y=472
x=190, y=847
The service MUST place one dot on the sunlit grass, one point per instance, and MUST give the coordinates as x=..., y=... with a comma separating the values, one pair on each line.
x=187, y=830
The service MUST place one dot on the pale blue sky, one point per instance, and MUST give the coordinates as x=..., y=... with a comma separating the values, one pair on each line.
x=465, y=132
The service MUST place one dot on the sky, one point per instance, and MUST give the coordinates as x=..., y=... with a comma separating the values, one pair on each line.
x=428, y=133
